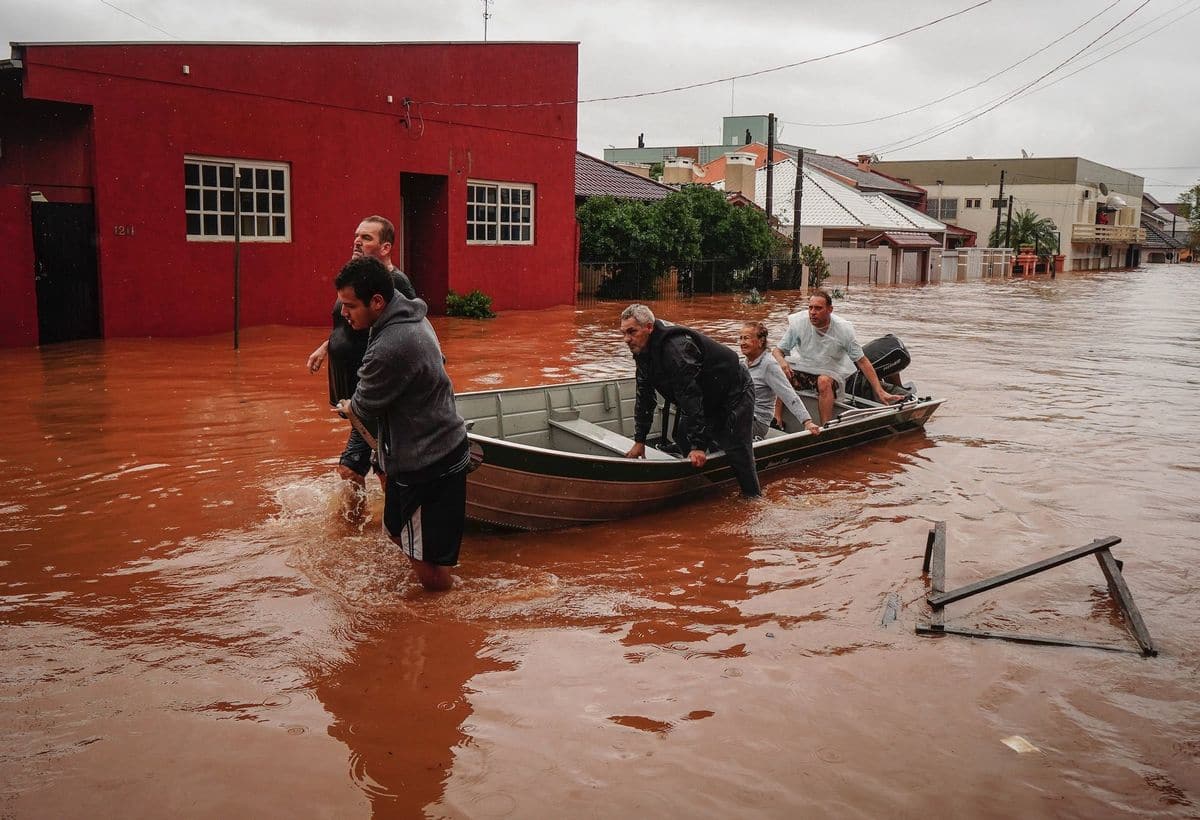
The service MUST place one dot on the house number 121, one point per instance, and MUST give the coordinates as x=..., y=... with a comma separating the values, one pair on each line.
x=123, y=230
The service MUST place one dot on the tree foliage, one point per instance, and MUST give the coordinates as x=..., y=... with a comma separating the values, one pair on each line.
x=1189, y=201
x=645, y=240
x=1027, y=229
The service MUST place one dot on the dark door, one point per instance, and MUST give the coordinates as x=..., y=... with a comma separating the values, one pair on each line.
x=427, y=236
x=64, y=249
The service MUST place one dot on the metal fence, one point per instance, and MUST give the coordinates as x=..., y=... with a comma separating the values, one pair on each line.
x=636, y=280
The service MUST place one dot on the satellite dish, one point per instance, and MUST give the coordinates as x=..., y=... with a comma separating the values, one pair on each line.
x=1024, y=154
x=1103, y=189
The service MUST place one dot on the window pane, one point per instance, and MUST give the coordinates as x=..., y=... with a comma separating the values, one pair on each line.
x=210, y=200
x=280, y=226
x=261, y=178
x=247, y=226
x=209, y=173
x=193, y=224
x=276, y=203
x=210, y=224
x=227, y=202
x=191, y=199
x=247, y=199
x=246, y=177
x=491, y=196
x=505, y=193
x=264, y=226
x=262, y=203
x=277, y=179
x=491, y=233
x=526, y=215
x=504, y=211
x=491, y=213
x=226, y=176
x=525, y=235
x=504, y=229
x=226, y=226
x=525, y=196
x=191, y=173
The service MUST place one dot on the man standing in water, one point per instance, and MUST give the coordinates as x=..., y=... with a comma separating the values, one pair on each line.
x=422, y=446
x=345, y=346
x=704, y=379
x=826, y=353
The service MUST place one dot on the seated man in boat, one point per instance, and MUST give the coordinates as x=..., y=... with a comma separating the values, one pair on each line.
x=769, y=383
x=704, y=379
x=824, y=353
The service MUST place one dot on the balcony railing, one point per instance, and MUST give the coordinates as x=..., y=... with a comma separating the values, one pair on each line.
x=1085, y=233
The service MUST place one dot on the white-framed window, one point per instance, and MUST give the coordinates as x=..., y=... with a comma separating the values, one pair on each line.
x=261, y=197
x=972, y=202
x=943, y=208
x=499, y=213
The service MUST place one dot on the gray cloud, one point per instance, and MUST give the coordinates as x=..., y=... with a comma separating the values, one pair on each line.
x=1135, y=110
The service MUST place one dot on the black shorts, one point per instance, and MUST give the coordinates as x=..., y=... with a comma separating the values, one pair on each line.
x=808, y=381
x=426, y=519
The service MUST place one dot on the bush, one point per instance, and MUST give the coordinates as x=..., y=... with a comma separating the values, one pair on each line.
x=814, y=260
x=474, y=305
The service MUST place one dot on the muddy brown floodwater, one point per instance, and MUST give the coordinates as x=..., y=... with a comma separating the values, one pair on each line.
x=189, y=628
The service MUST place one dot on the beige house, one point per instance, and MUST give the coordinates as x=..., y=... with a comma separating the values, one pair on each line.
x=1096, y=208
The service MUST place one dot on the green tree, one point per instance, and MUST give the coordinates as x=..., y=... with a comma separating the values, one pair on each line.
x=1189, y=202
x=688, y=225
x=1027, y=229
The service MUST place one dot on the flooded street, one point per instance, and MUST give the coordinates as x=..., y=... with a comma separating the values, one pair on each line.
x=190, y=628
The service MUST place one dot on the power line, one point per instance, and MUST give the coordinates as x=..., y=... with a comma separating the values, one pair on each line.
x=706, y=83
x=1020, y=93
x=984, y=81
x=1122, y=48
x=909, y=142
x=139, y=19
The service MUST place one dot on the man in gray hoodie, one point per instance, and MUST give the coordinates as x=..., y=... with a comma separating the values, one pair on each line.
x=422, y=446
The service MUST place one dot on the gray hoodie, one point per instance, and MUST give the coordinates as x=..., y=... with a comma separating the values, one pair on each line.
x=403, y=383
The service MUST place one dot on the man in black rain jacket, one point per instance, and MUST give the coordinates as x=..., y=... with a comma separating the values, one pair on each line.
x=704, y=379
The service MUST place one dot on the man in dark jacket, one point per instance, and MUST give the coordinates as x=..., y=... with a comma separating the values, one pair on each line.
x=704, y=379
x=422, y=444
x=345, y=346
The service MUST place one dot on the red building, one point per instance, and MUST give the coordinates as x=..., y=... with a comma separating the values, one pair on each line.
x=125, y=170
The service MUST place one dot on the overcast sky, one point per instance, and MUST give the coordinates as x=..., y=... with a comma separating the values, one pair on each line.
x=1138, y=109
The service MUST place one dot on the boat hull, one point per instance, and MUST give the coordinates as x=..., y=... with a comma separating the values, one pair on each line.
x=527, y=487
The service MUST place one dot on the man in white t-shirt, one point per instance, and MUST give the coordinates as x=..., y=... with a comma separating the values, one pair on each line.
x=821, y=352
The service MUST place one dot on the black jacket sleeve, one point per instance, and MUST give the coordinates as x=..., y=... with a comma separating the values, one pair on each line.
x=644, y=402
x=683, y=360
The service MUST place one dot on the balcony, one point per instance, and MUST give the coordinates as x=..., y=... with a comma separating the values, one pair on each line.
x=1086, y=234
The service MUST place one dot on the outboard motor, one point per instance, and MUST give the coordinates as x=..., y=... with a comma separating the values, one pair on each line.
x=888, y=356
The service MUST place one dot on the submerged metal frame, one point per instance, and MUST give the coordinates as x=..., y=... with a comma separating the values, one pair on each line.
x=935, y=566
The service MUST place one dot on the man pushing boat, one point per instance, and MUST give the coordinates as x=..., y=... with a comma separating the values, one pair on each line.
x=422, y=445
x=704, y=379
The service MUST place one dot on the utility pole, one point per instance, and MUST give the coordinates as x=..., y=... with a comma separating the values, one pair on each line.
x=1008, y=225
x=770, y=167
x=797, y=199
x=486, y=15
x=1000, y=204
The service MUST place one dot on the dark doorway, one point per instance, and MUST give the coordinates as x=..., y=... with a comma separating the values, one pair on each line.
x=64, y=249
x=427, y=236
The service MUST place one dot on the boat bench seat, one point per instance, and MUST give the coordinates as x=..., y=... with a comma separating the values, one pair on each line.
x=603, y=437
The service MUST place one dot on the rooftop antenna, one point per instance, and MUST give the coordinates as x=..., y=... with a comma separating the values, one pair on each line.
x=486, y=14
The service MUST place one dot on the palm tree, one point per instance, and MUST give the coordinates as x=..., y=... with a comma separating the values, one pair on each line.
x=1027, y=229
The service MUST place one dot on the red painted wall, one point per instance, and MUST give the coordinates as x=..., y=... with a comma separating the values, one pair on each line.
x=323, y=109
x=20, y=325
